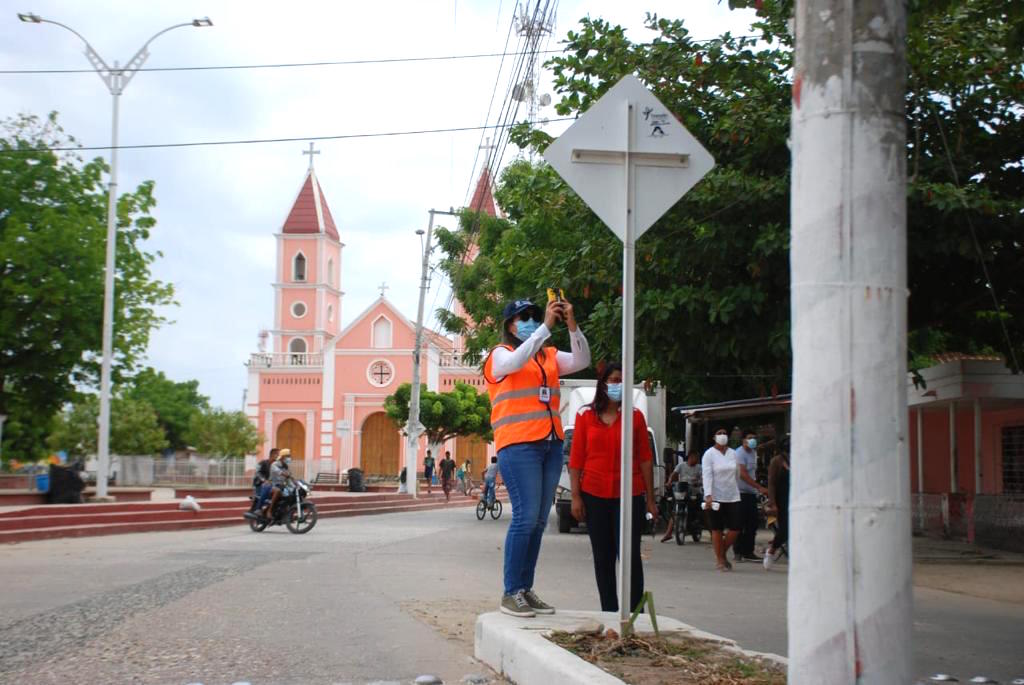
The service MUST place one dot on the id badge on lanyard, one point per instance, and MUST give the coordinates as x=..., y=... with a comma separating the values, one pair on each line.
x=544, y=394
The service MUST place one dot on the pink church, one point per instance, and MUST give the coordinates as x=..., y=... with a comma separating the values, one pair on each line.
x=320, y=390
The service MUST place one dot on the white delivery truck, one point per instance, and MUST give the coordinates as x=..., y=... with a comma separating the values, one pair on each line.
x=577, y=393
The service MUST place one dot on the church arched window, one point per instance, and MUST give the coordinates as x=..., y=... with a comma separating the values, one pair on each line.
x=330, y=272
x=299, y=267
x=382, y=333
x=297, y=347
x=330, y=313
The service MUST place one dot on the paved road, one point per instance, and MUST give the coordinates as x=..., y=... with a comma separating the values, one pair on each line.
x=377, y=598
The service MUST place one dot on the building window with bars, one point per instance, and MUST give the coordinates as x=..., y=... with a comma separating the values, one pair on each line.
x=1013, y=460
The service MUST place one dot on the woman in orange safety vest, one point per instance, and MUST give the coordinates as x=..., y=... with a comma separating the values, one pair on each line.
x=522, y=381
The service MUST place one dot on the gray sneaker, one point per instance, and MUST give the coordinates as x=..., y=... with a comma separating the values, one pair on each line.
x=537, y=604
x=516, y=605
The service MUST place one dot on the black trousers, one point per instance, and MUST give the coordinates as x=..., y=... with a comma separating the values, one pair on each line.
x=603, y=528
x=748, y=511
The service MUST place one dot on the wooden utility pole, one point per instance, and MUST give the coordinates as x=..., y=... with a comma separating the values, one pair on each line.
x=850, y=573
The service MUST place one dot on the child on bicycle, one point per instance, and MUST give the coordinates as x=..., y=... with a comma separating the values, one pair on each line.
x=490, y=482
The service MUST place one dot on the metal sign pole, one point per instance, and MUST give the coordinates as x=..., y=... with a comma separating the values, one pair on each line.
x=628, y=290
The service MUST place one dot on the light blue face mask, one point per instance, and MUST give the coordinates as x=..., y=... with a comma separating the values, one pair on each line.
x=752, y=443
x=615, y=392
x=524, y=329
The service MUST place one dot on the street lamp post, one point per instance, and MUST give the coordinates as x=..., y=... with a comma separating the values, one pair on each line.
x=414, y=429
x=116, y=78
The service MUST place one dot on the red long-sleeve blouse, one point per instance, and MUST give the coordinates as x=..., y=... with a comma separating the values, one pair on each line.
x=597, y=452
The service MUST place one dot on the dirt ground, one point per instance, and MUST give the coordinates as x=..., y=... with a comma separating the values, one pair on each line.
x=673, y=659
x=999, y=583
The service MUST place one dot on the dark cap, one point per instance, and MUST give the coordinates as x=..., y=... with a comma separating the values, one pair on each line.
x=517, y=307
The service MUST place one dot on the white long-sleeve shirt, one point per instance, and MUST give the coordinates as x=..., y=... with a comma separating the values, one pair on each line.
x=719, y=472
x=505, y=361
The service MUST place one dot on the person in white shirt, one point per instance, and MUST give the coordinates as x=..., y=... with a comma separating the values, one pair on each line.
x=688, y=472
x=722, y=496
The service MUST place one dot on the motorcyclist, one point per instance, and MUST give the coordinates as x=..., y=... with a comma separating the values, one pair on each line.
x=261, y=480
x=279, y=474
x=688, y=473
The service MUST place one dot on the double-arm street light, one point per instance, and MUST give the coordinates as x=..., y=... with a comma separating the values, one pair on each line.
x=115, y=78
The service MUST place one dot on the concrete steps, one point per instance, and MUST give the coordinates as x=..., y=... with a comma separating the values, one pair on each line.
x=60, y=521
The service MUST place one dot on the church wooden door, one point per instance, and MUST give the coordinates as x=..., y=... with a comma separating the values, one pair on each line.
x=380, y=446
x=292, y=435
x=474, y=449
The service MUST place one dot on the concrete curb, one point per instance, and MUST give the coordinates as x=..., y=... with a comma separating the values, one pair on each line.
x=518, y=649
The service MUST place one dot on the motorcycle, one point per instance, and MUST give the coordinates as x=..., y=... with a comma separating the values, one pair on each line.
x=291, y=509
x=688, y=518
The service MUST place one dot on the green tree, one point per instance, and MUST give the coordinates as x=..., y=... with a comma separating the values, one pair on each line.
x=220, y=433
x=713, y=274
x=134, y=428
x=445, y=415
x=52, y=244
x=175, y=403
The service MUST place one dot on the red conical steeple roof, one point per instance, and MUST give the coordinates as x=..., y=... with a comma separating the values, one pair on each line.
x=483, y=197
x=310, y=213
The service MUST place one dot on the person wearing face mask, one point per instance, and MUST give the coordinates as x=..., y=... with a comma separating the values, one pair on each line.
x=746, y=458
x=720, y=469
x=595, y=470
x=522, y=381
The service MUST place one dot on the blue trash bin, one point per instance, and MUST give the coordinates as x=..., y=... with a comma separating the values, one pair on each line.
x=43, y=482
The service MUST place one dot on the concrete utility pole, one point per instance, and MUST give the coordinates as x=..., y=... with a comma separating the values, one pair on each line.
x=414, y=429
x=849, y=579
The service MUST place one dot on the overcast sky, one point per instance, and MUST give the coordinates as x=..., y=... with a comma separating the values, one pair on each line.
x=220, y=206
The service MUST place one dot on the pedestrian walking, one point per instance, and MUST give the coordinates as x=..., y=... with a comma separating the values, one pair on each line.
x=746, y=458
x=467, y=475
x=595, y=471
x=428, y=472
x=522, y=381
x=720, y=470
x=447, y=474
x=778, y=501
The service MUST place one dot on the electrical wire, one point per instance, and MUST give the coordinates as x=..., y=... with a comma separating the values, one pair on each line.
x=283, y=65
x=250, y=141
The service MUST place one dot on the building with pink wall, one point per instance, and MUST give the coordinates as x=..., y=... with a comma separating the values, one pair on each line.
x=320, y=388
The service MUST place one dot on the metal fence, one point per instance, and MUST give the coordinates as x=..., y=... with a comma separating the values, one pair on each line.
x=191, y=470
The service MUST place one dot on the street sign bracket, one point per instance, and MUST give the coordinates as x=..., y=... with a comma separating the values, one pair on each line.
x=650, y=159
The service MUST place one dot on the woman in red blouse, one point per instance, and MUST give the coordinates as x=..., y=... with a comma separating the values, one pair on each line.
x=595, y=467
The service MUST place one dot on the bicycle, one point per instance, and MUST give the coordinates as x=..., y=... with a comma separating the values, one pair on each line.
x=482, y=508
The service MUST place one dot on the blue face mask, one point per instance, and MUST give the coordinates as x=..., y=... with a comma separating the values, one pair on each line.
x=751, y=443
x=524, y=329
x=615, y=392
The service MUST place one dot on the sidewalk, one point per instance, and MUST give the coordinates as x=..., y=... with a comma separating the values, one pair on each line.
x=965, y=569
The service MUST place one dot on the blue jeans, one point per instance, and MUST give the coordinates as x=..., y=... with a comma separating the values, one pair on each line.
x=489, y=491
x=265, y=490
x=531, y=471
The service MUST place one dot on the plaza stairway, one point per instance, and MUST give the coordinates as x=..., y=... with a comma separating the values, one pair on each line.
x=81, y=520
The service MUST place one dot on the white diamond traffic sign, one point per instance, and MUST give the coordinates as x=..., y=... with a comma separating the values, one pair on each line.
x=630, y=160
x=665, y=160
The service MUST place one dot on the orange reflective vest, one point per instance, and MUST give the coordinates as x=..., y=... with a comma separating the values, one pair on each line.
x=517, y=412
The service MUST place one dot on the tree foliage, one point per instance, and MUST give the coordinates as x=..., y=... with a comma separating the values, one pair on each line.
x=52, y=247
x=175, y=403
x=712, y=302
x=220, y=433
x=134, y=428
x=444, y=415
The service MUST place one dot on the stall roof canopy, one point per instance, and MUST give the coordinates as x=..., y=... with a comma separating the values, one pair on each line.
x=736, y=408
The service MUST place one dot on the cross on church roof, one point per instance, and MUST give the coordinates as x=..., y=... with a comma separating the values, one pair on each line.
x=382, y=287
x=311, y=152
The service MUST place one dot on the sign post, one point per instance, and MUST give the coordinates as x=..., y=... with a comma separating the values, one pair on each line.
x=630, y=160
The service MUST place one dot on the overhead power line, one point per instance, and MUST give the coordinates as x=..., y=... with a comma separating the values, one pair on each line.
x=253, y=141
x=328, y=63
x=283, y=65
